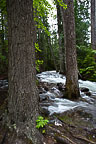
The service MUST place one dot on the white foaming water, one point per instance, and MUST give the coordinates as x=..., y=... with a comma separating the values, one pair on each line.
x=51, y=77
x=88, y=84
x=61, y=105
x=55, y=77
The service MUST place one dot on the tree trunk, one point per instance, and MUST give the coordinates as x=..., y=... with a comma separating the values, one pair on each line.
x=23, y=94
x=72, y=86
x=61, y=41
x=52, y=53
x=93, y=24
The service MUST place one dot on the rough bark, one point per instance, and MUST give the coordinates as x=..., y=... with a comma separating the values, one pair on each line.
x=72, y=86
x=93, y=24
x=23, y=94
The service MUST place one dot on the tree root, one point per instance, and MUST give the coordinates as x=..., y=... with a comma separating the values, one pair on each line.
x=84, y=139
x=64, y=140
x=60, y=137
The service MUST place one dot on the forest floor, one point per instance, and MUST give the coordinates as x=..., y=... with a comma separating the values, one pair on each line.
x=70, y=127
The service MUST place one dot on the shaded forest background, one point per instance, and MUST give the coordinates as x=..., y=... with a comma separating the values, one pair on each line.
x=50, y=53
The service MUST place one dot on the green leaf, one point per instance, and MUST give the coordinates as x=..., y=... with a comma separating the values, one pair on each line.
x=37, y=47
x=40, y=122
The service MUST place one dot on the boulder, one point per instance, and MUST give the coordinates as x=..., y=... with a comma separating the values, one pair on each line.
x=88, y=93
x=84, y=89
x=61, y=86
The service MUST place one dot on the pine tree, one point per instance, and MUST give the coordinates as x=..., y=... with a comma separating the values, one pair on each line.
x=23, y=94
x=93, y=24
x=72, y=86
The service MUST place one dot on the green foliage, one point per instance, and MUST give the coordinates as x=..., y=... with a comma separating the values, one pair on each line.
x=38, y=63
x=94, y=51
x=41, y=10
x=41, y=122
x=3, y=6
x=86, y=62
x=41, y=7
x=41, y=25
x=62, y=4
x=82, y=21
x=37, y=47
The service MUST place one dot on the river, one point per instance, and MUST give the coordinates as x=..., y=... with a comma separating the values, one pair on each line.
x=60, y=105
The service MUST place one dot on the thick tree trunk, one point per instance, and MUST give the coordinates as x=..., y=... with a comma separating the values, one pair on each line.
x=23, y=94
x=72, y=86
x=93, y=24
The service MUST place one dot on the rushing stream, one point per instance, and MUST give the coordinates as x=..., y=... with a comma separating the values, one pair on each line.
x=52, y=100
x=59, y=105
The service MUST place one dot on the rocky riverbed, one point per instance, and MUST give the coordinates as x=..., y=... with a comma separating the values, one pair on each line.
x=71, y=122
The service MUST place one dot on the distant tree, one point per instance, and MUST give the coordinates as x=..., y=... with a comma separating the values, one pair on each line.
x=23, y=94
x=44, y=42
x=93, y=24
x=42, y=11
x=60, y=40
x=72, y=86
x=3, y=38
x=82, y=21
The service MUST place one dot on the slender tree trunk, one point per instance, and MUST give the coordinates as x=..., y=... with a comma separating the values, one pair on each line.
x=23, y=94
x=52, y=53
x=60, y=41
x=72, y=86
x=93, y=24
x=2, y=33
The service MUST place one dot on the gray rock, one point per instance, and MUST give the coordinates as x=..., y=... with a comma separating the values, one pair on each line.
x=84, y=90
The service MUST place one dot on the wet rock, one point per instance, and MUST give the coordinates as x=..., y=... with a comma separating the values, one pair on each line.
x=5, y=87
x=88, y=93
x=41, y=90
x=56, y=92
x=44, y=111
x=4, y=84
x=84, y=90
x=45, y=86
x=43, y=97
x=1, y=83
x=47, y=96
x=61, y=86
